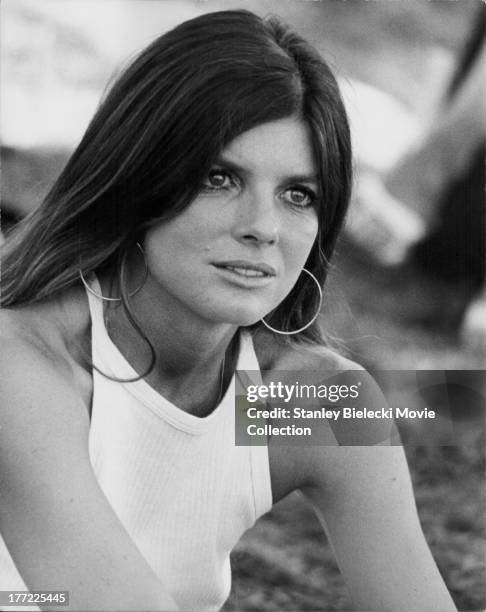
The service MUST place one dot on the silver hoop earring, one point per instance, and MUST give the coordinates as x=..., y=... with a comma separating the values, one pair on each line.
x=297, y=331
x=110, y=299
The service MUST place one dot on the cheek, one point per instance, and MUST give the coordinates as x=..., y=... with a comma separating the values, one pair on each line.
x=162, y=246
x=300, y=240
x=175, y=236
x=172, y=248
x=311, y=234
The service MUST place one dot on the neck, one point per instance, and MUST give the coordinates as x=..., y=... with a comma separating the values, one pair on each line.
x=185, y=345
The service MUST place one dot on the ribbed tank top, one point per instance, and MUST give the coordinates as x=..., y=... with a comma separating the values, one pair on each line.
x=184, y=492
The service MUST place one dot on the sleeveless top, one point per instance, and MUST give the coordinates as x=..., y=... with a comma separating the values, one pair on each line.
x=182, y=489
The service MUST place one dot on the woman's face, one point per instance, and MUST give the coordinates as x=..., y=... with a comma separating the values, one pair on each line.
x=237, y=250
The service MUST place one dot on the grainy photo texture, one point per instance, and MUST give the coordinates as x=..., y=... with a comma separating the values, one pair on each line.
x=243, y=323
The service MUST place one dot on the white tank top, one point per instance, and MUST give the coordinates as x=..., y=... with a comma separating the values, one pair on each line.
x=184, y=492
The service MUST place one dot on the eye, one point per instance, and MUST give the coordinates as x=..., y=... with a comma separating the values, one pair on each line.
x=301, y=197
x=218, y=178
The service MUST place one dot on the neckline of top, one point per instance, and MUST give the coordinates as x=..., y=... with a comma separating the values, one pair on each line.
x=108, y=359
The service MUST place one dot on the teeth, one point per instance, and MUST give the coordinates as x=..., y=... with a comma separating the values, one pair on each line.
x=246, y=271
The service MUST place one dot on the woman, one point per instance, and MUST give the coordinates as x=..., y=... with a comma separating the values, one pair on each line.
x=216, y=170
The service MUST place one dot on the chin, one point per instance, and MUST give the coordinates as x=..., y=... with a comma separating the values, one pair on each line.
x=239, y=315
x=243, y=320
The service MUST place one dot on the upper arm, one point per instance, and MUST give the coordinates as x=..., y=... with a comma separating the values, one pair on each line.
x=56, y=522
x=364, y=499
x=361, y=490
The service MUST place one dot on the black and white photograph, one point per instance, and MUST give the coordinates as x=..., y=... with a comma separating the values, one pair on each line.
x=243, y=305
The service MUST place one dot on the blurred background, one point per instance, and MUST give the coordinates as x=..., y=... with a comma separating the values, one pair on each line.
x=407, y=286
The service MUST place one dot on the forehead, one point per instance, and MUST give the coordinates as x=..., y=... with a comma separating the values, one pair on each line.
x=280, y=147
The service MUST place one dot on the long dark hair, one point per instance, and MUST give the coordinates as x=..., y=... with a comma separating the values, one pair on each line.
x=154, y=137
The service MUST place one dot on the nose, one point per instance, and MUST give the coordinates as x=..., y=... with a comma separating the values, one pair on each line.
x=257, y=220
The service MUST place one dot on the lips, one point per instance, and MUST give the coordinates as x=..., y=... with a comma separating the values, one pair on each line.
x=247, y=269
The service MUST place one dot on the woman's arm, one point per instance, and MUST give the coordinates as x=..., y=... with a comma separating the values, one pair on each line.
x=364, y=499
x=362, y=494
x=58, y=526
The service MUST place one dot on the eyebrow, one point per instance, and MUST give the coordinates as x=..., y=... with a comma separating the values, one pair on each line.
x=294, y=178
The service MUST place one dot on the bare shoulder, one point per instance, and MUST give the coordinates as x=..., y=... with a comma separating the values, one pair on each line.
x=276, y=354
x=24, y=335
x=42, y=352
x=56, y=531
x=347, y=384
x=26, y=352
x=43, y=420
x=34, y=371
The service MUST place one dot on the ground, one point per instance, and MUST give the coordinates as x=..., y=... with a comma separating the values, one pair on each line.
x=379, y=317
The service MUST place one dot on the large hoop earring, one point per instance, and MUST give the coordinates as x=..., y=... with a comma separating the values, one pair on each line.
x=297, y=331
x=111, y=299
